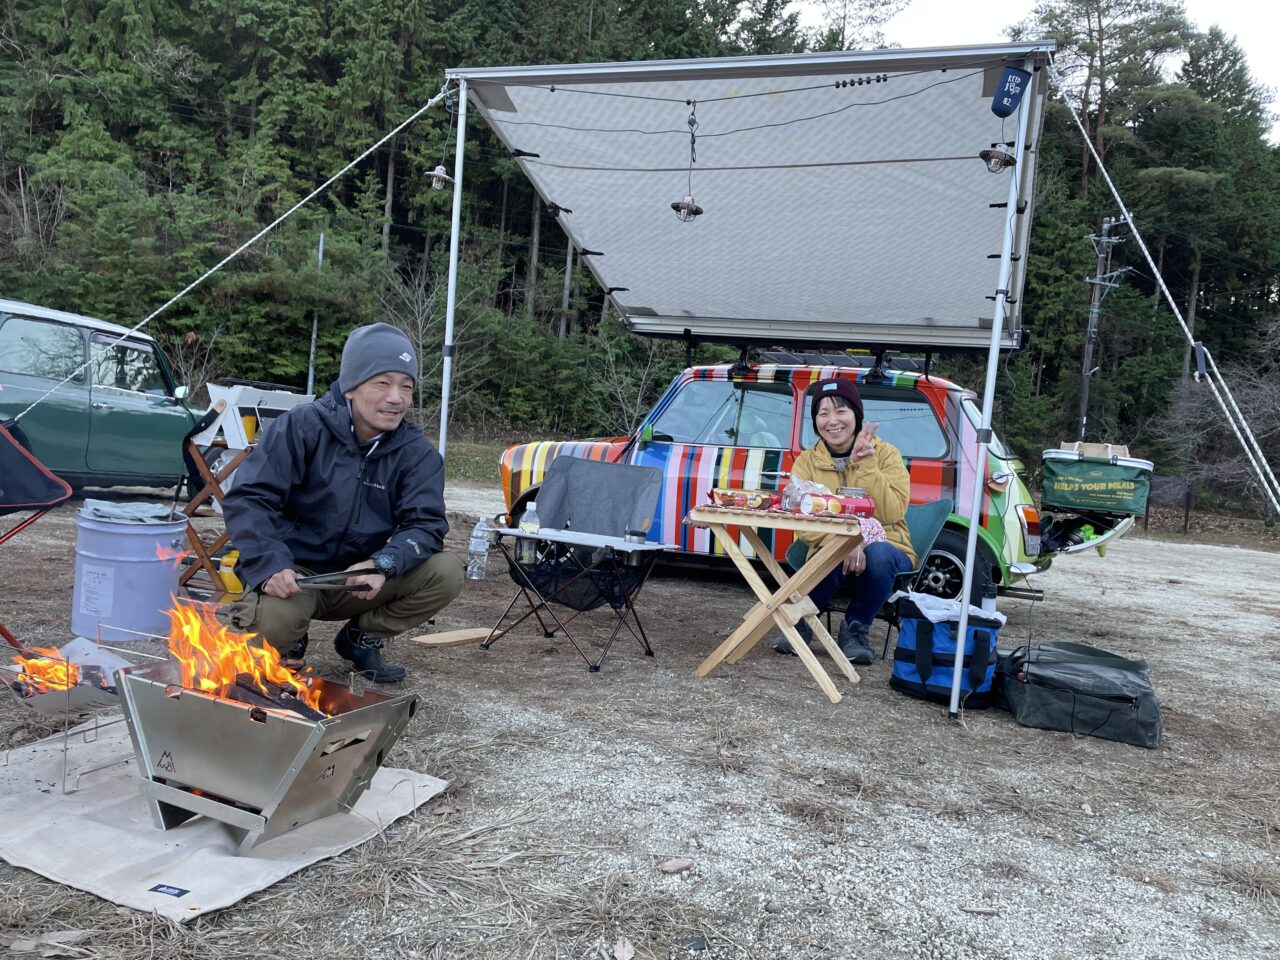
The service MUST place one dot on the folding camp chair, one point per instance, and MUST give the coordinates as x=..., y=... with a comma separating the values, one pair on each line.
x=590, y=551
x=924, y=522
x=25, y=485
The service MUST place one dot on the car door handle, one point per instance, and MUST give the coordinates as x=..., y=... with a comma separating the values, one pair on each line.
x=100, y=405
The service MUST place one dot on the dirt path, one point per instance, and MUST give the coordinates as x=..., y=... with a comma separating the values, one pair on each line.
x=874, y=828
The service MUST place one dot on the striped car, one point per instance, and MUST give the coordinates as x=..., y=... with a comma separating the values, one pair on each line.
x=743, y=426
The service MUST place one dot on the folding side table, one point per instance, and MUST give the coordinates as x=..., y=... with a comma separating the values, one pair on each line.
x=786, y=606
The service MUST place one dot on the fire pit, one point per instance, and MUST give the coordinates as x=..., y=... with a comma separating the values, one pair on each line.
x=227, y=733
x=48, y=681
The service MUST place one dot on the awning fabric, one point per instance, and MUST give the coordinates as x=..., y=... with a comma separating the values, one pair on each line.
x=844, y=200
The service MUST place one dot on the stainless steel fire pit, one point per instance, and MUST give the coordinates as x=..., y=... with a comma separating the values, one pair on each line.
x=262, y=771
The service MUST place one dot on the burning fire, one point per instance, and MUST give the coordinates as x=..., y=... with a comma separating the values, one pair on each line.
x=214, y=659
x=167, y=553
x=48, y=671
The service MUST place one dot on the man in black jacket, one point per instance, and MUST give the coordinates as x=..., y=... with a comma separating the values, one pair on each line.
x=344, y=484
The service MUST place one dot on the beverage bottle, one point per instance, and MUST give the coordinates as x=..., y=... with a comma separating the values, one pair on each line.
x=989, y=598
x=478, y=550
x=527, y=550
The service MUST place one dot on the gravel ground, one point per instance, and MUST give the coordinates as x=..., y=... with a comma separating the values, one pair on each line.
x=875, y=827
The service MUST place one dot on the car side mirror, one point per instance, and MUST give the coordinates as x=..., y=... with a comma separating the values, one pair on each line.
x=646, y=433
x=182, y=392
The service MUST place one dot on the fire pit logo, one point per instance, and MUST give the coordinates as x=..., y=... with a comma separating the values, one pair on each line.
x=328, y=772
x=166, y=763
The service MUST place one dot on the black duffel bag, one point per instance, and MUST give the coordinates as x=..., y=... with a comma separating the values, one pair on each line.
x=1082, y=690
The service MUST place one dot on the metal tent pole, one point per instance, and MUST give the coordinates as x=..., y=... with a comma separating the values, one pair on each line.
x=455, y=235
x=988, y=400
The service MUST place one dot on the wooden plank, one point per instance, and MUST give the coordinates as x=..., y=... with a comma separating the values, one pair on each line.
x=773, y=520
x=452, y=638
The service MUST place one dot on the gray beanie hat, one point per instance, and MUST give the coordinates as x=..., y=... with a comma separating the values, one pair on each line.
x=374, y=349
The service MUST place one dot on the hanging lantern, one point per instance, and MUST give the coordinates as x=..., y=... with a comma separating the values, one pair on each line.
x=439, y=178
x=686, y=210
x=997, y=158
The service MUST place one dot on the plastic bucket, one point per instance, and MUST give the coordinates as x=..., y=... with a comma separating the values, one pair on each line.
x=126, y=577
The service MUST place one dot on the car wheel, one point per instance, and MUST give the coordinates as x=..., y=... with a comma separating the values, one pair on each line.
x=943, y=574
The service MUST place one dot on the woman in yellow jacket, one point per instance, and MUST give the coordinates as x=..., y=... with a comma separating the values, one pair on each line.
x=849, y=454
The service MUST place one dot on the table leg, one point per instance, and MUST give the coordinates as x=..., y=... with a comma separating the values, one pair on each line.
x=768, y=611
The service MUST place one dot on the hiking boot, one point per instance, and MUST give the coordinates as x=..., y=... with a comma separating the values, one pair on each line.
x=853, y=642
x=294, y=658
x=365, y=652
x=783, y=645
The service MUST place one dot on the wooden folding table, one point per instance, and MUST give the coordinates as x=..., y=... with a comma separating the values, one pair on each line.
x=787, y=605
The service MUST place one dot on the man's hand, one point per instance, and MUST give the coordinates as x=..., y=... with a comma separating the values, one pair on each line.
x=856, y=561
x=283, y=585
x=862, y=447
x=373, y=581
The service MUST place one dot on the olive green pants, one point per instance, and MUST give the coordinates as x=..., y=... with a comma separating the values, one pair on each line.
x=401, y=604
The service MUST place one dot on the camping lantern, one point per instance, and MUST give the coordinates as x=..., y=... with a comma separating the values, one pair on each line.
x=686, y=210
x=997, y=158
x=439, y=178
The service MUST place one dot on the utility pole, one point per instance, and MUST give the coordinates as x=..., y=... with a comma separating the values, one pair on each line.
x=1102, y=281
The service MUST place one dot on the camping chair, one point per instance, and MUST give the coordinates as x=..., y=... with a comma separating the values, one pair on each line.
x=25, y=485
x=924, y=522
x=590, y=550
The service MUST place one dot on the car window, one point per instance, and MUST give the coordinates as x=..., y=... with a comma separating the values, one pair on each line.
x=997, y=447
x=125, y=366
x=724, y=413
x=906, y=420
x=40, y=348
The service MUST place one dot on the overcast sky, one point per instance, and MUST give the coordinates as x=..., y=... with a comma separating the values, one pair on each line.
x=940, y=23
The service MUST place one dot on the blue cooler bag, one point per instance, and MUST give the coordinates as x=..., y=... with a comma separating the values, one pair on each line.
x=925, y=655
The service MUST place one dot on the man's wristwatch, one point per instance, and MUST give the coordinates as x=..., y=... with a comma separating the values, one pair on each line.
x=385, y=562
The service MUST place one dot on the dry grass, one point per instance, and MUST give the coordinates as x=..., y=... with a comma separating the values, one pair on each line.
x=1257, y=882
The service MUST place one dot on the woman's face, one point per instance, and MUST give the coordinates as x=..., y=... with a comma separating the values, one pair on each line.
x=835, y=424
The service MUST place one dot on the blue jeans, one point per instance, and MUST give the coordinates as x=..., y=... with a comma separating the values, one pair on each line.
x=871, y=588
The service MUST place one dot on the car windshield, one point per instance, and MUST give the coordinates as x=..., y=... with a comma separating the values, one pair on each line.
x=724, y=413
x=905, y=417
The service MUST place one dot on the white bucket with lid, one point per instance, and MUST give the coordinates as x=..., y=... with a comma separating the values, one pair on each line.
x=126, y=570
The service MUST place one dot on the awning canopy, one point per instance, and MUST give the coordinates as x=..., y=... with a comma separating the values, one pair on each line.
x=845, y=202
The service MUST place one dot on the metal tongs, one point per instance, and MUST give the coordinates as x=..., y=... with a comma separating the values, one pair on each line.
x=337, y=580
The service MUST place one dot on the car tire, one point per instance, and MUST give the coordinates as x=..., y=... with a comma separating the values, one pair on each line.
x=943, y=573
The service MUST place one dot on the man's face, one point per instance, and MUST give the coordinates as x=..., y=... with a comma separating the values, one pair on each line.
x=380, y=403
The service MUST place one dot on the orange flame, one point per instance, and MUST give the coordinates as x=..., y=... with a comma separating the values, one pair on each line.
x=213, y=657
x=49, y=671
x=169, y=553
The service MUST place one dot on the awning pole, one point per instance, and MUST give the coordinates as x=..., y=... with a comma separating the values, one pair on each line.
x=455, y=236
x=988, y=401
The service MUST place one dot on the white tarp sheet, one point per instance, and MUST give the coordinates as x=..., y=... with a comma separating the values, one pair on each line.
x=844, y=198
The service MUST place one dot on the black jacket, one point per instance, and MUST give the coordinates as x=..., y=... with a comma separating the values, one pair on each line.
x=307, y=496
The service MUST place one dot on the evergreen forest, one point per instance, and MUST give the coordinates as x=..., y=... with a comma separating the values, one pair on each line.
x=143, y=140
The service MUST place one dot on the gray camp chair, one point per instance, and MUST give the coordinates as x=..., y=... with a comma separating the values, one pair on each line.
x=590, y=552
x=924, y=522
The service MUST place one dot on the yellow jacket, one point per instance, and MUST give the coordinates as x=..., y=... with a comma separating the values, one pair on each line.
x=883, y=476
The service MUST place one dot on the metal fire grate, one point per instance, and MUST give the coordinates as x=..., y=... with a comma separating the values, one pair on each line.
x=262, y=771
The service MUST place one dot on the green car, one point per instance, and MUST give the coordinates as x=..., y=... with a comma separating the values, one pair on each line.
x=120, y=420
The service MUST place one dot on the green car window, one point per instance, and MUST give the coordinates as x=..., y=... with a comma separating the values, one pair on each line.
x=126, y=366
x=40, y=348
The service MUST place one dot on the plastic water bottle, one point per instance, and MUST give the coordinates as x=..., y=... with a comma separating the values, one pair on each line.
x=527, y=550
x=989, y=598
x=478, y=550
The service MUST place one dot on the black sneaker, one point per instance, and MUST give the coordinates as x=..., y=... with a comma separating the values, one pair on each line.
x=853, y=642
x=783, y=645
x=295, y=657
x=365, y=652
